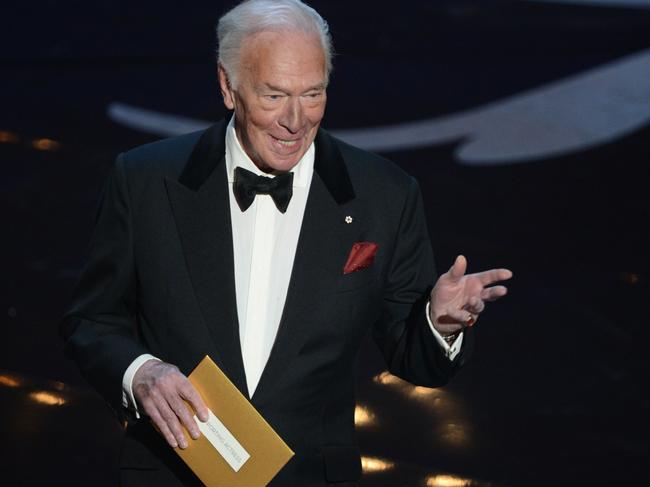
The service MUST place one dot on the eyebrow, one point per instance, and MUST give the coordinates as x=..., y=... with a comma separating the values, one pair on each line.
x=319, y=86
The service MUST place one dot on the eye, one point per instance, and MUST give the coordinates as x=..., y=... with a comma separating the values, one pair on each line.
x=273, y=97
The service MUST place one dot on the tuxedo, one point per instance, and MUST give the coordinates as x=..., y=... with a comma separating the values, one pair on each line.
x=159, y=280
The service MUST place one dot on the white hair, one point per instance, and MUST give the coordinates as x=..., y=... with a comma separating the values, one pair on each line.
x=253, y=16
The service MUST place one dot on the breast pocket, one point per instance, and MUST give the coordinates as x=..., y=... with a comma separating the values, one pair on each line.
x=345, y=255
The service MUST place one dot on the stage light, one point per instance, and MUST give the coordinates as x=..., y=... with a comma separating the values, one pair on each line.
x=630, y=278
x=46, y=144
x=387, y=379
x=431, y=396
x=447, y=481
x=373, y=465
x=425, y=394
x=363, y=416
x=9, y=381
x=8, y=137
x=47, y=398
x=454, y=434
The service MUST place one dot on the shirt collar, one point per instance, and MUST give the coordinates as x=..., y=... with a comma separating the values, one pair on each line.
x=236, y=156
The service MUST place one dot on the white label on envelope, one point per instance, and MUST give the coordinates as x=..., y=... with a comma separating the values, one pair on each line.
x=223, y=441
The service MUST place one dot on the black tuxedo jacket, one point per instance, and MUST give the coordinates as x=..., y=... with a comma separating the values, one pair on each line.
x=159, y=279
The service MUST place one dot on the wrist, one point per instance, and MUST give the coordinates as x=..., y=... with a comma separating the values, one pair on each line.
x=451, y=337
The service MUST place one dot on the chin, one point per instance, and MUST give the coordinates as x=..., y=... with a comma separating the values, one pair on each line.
x=284, y=164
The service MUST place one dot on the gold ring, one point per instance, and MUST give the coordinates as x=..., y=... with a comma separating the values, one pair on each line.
x=471, y=320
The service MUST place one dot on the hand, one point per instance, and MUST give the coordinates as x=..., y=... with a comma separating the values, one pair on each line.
x=159, y=388
x=457, y=299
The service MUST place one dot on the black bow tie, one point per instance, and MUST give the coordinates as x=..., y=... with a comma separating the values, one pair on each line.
x=248, y=184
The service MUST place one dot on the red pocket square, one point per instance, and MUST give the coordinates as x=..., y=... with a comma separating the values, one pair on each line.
x=361, y=256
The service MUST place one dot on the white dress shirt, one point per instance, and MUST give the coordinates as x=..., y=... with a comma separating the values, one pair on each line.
x=264, y=245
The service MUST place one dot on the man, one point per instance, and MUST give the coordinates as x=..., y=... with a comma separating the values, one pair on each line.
x=272, y=247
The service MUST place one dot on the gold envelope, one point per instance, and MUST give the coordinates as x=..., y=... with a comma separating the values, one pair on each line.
x=268, y=453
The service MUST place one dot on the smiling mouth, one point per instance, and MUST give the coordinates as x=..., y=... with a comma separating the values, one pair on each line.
x=288, y=143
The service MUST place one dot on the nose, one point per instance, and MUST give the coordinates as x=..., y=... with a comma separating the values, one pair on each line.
x=292, y=115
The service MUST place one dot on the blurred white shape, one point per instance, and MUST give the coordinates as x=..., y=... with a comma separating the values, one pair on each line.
x=572, y=114
x=152, y=121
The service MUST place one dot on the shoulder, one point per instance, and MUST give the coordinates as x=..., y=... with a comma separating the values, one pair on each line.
x=165, y=157
x=372, y=171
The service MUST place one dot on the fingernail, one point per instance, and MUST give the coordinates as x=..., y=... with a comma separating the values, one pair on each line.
x=195, y=435
x=174, y=444
x=183, y=445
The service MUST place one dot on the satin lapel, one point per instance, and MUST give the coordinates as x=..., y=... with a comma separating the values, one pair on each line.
x=322, y=228
x=200, y=203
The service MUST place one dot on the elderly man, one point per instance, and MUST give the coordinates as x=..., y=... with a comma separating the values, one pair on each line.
x=272, y=247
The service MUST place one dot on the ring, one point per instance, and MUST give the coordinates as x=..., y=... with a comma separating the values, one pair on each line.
x=471, y=320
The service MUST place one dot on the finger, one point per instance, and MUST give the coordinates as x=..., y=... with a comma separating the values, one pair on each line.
x=474, y=305
x=459, y=267
x=160, y=423
x=170, y=418
x=493, y=275
x=493, y=293
x=191, y=395
x=186, y=418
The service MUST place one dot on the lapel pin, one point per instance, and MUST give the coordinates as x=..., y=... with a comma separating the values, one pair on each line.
x=348, y=219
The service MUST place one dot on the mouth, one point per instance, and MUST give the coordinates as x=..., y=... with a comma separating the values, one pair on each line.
x=287, y=142
x=285, y=145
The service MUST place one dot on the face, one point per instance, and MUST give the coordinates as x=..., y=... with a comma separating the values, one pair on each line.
x=280, y=97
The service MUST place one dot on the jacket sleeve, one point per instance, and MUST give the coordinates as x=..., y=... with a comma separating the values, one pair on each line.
x=402, y=332
x=99, y=328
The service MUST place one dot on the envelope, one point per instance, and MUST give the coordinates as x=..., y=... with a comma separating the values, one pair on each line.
x=237, y=447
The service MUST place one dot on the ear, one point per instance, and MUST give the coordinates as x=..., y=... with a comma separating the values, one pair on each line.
x=226, y=90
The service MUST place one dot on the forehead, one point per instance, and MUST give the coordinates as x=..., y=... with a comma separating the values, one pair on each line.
x=288, y=59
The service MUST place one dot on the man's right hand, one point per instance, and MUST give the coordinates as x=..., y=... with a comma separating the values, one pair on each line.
x=159, y=389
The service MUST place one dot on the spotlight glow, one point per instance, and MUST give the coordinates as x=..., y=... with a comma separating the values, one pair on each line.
x=8, y=137
x=455, y=434
x=363, y=416
x=47, y=398
x=373, y=465
x=425, y=394
x=9, y=381
x=388, y=379
x=46, y=145
x=447, y=481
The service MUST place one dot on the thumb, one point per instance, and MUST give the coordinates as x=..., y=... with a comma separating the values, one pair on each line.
x=457, y=270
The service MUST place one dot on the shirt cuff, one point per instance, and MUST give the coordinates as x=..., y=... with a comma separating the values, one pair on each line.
x=451, y=351
x=128, y=400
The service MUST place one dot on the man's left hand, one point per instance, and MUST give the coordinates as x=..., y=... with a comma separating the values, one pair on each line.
x=457, y=299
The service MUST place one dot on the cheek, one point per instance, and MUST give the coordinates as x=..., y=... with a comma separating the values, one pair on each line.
x=260, y=120
x=253, y=116
x=315, y=113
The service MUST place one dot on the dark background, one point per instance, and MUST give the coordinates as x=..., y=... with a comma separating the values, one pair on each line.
x=557, y=392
